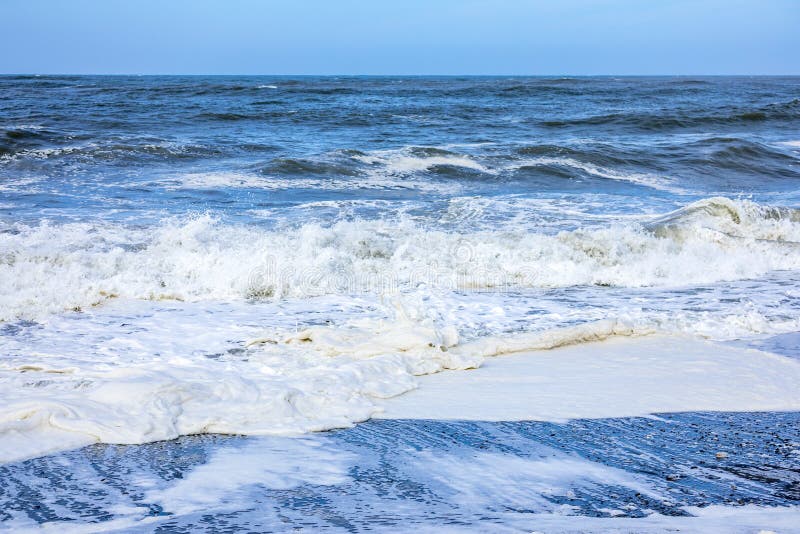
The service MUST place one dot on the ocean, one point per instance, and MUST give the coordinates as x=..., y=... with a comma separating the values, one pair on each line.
x=277, y=256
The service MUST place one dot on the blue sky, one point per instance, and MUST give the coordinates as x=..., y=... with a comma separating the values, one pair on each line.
x=400, y=37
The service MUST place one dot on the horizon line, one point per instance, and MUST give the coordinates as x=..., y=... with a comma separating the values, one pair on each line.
x=474, y=75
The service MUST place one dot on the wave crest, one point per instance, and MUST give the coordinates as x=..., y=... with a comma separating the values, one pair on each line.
x=51, y=268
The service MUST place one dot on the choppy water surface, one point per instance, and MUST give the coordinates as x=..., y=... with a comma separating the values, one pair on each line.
x=151, y=227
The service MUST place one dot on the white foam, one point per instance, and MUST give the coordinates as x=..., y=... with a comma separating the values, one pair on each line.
x=214, y=180
x=143, y=368
x=20, y=184
x=312, y=380
x=544, y=214
x=482, y=480
x=153, y=386
x=403, y=164
x=45, y=153
x=277, y=182
x=25, y=127
x=616, y=378
x=225, y=480
x=56, y=267
x=646, y=179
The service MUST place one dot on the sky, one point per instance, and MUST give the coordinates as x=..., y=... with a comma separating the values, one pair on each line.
x=501, y=37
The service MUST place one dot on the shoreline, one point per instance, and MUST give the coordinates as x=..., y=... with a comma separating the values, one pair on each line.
x=651, y=474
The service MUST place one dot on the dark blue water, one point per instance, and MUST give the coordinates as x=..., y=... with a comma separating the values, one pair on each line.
x=88, y=146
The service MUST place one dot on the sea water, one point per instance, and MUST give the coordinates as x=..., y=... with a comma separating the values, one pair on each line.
x=275, y=255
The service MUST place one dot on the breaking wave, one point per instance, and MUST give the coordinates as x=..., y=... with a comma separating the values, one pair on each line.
x=55, y=267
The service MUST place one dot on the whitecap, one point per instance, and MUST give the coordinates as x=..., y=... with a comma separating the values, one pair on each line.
x=56, y=267
x=644, y=179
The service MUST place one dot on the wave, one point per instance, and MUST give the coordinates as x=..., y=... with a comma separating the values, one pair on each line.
x=667, y=168
x=20, y=138
x=742, y=156
x=738, y=219
x=418, y=159
x=779, y=111
x=303, y=167
x=122, y=152
x=56, y=267
x=637, y=178
x=405, y=168
x=212, y=181
x=381, y=166
x=25, y=133
x=224, y=116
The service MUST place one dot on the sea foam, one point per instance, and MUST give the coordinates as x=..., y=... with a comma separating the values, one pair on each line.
x=52, y=267
x=291, y=382
x=128, y=385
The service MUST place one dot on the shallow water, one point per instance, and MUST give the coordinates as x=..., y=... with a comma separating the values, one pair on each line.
x=401, y=475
